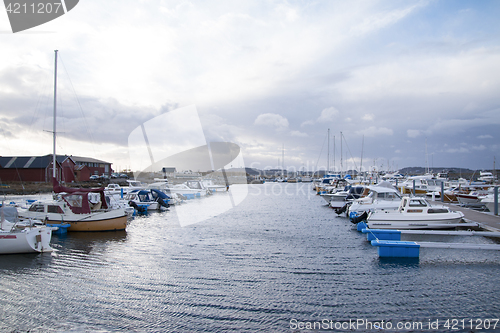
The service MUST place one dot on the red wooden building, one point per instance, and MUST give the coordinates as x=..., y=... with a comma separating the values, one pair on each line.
x=39, y=168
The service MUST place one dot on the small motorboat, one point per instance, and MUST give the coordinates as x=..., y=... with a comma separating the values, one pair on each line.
x=415, y=213
x=150, y=199
x=84, y=209
x=18, y=236
x=382, y=196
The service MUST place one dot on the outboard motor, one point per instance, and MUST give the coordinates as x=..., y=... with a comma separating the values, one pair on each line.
x=341, y=210
x=136, y=207
x=162, y=203
x=360, y=218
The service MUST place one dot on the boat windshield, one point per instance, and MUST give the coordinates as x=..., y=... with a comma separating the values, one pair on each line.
x=74, y=200
x=36, y=208
x=417, y=203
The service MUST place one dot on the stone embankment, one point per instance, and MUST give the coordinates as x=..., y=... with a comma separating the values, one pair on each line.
x=18, y=188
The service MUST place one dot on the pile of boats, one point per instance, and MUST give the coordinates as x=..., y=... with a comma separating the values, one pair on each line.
x=29, y=229
x=387, y=206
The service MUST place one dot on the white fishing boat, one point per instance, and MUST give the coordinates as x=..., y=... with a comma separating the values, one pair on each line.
x=18, y=236
x=382, y=196
x=415, y=213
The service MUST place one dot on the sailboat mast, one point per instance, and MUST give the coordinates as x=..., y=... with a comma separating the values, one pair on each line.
x=328, y=154
x=341, y=161
x=54, y=124
x=283, y=160
x=362, y=147
x=334, y=162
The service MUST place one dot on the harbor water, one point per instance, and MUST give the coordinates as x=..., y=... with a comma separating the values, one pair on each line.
x=280, y=261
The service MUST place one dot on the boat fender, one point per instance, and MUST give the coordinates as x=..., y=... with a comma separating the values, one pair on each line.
x=360, y=218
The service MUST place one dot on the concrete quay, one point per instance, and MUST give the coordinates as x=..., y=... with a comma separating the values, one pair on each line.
x=487, y=221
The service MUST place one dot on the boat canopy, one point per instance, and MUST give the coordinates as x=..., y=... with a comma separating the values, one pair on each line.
x=78, y=198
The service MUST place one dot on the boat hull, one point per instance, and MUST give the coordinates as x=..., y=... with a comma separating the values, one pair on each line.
x=414, y=222
x=101, y=224
x=32, y=240
x=413, y=225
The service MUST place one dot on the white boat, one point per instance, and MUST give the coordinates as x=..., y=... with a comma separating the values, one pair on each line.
x=83, y=209
x=472, y=199
x=415, y=213
x=489, y=202
x=189, y=189
x=420, y=182
x=341, y=198
x=22, y=236
x=134, y=185
x=485, y=176
x=210, y=185
x=147, y=200
x=382, y=196
x=113, y=189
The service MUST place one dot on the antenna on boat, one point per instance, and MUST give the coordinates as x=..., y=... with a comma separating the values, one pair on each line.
x=54, y=124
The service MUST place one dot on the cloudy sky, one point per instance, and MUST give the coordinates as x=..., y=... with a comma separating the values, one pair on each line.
x=408, y=83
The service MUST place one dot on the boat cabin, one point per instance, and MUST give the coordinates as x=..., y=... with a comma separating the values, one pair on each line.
x=419, y=205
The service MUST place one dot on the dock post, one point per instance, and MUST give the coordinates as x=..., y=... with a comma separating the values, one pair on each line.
x=495, y=200
x=442, y=191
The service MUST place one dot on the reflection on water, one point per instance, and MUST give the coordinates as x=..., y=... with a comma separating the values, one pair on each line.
x=279, y=255
x=23, y=263
x=86, y=241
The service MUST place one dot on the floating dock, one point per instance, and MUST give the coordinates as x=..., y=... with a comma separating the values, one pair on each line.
x=390, y=234
x=390, y=245
x=402, y=249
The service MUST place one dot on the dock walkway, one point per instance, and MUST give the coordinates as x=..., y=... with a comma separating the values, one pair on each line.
x=487, y=220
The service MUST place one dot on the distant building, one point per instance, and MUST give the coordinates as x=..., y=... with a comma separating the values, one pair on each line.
x=39, y=168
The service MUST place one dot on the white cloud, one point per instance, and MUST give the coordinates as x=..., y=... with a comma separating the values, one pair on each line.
x=373, y=131
x=478, y=147
x=272, y=120
x=458, y=150
x=307, y=123
x=328, y=114
x=368, y=117
x=298, y=133
x=485, y=136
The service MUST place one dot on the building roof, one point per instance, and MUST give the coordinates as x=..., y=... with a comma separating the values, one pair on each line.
x=41, y=162
x=80, y=159
x=29, y=162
